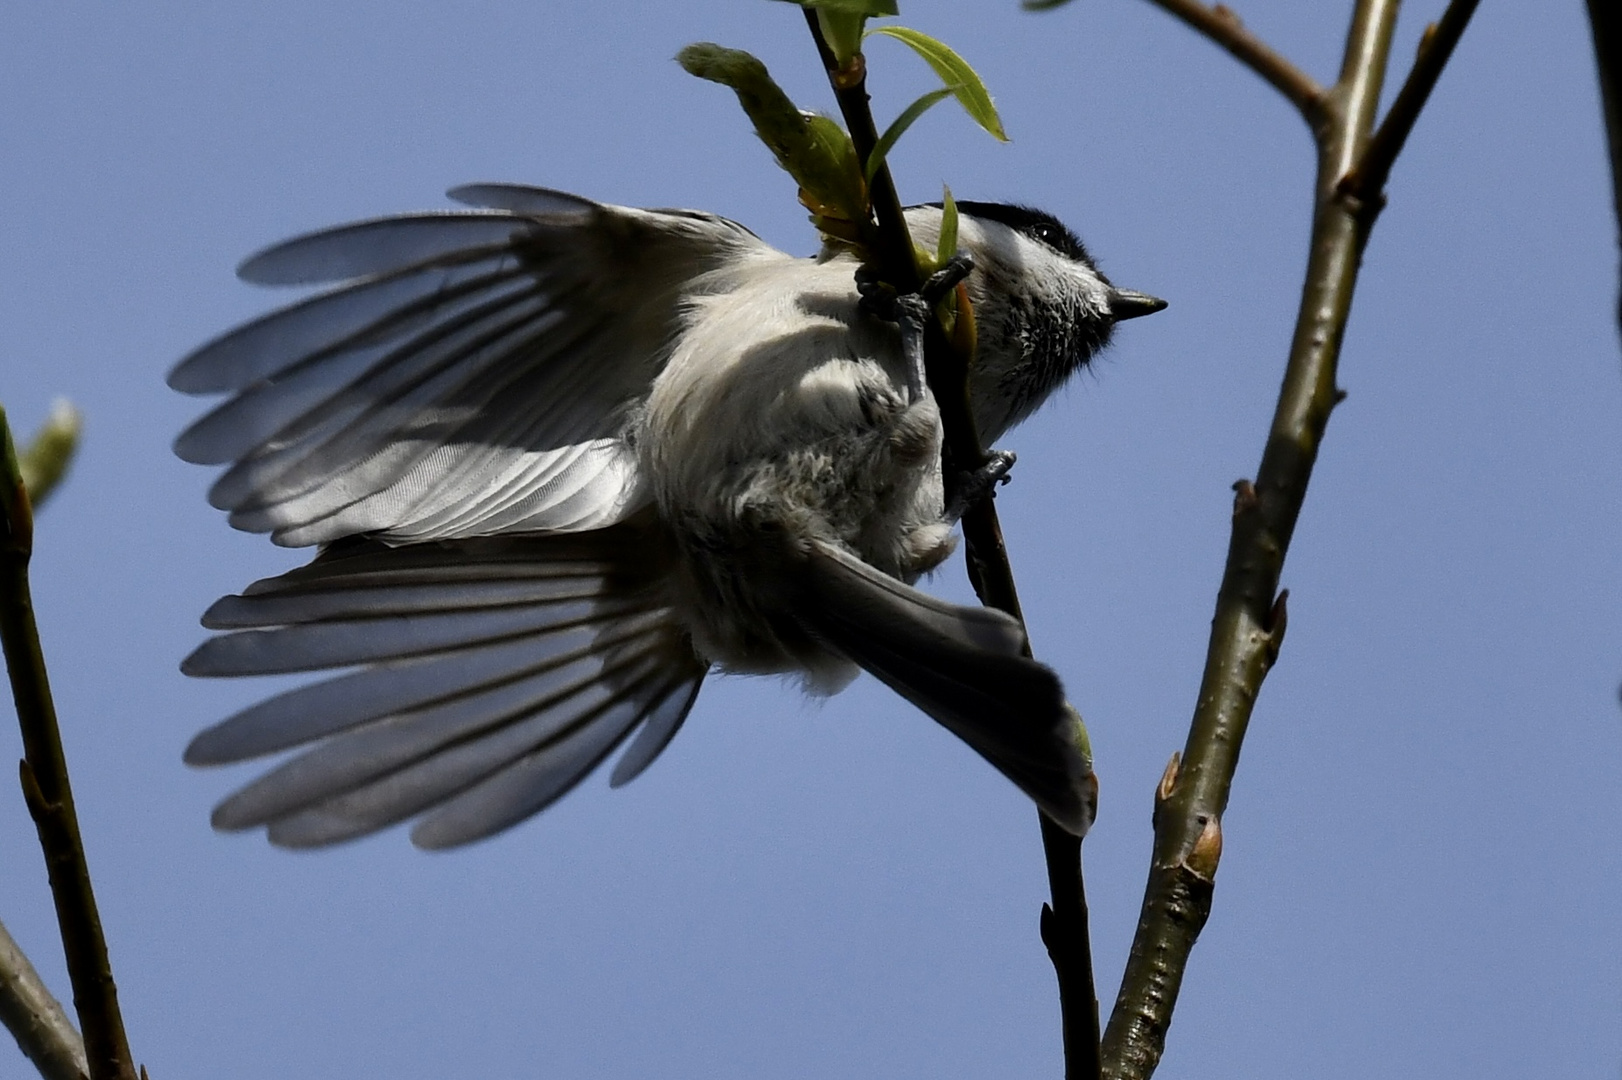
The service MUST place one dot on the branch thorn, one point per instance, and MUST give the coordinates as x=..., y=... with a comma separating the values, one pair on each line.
x=32, y=795
x=1163, y=790
x=1278, y=621
x=1244, y=497
x=1168, y=779
x=1426, y=36
x=1207, y=850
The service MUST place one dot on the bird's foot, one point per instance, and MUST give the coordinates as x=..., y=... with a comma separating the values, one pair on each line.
x=969, y=487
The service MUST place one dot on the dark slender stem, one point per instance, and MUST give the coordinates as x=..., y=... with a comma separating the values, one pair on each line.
x=1248, y=627
x=1219, y=23
x=1366, y=180
x=850, y=90
x=35, y=1018
x=1064, y=925
x=1068, y=939
x=1605, y=19
x=46, y=789
x=1064, y=921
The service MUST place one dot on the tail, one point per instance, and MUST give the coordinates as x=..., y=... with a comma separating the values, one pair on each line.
x=964, y=666
x=492, y=676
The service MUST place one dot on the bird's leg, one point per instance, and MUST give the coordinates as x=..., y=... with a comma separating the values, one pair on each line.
x=911, y=312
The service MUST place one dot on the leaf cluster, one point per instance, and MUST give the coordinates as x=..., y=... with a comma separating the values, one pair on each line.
x=834, y=179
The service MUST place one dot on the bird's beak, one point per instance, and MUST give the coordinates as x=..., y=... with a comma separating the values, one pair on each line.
x=1126, y=304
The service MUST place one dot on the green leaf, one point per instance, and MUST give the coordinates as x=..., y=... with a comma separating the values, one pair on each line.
x=954, y=71
x=843, y=33
x=946, y=247
x=881, y=149
x=813, y=149
x=49, y=453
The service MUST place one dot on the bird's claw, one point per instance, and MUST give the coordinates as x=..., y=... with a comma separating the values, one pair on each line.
x=971, y=486
x=946, y=279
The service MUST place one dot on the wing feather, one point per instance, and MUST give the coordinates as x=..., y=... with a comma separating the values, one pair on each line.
x=469, y=372
x=380, y=245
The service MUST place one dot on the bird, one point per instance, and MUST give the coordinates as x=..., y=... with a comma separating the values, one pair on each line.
x=562, y=459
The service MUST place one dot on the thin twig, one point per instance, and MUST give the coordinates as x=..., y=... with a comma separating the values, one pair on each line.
x=1064, y=921
x=44, y=773
x=35, y=1018
x=1220, y=23
x=1367, y=178
x=850, y=90
x=1249, y=624
x=1605, y=19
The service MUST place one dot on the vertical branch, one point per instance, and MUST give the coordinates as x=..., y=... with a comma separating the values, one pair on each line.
x=44, y=775
x=849, y=83
x=1064, y=921
x=35, y=1018
x=1250, y=611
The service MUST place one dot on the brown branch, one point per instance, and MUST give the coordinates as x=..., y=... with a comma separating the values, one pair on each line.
x=44, y=773
x=1064, y=922
x=35, y=1018
x=1366, y=181
x=1605, y=19
x=1249, y=623
x=1222, y=25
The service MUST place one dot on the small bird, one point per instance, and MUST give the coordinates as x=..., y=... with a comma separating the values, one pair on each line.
x=562, y=458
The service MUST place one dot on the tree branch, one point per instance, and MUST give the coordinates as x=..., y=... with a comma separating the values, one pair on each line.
x=1366, y=181
x=1222, y=25
x=44, y=774
x=1605, y=19
x=1064, y=922
x=35, y=1018
x=1249, y=623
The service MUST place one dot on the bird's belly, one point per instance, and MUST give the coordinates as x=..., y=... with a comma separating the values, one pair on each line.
x=751, y=456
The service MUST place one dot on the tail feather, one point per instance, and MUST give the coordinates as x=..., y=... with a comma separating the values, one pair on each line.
x=493, y=676
x=964, y=666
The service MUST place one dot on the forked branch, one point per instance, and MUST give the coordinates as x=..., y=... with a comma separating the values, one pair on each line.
x=44, y=776
x=1248, y=627
x=1366, y=181
x=1222, y=25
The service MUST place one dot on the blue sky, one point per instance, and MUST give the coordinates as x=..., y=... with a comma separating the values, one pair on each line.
x=1421, y=874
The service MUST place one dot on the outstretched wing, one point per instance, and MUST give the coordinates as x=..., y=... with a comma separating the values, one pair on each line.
x=473, y=373
x=491, y=676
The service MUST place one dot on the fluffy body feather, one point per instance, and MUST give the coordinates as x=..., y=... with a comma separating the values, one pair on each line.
x=564, y=457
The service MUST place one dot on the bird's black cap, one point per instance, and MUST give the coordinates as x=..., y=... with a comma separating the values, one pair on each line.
x=1039, y=225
